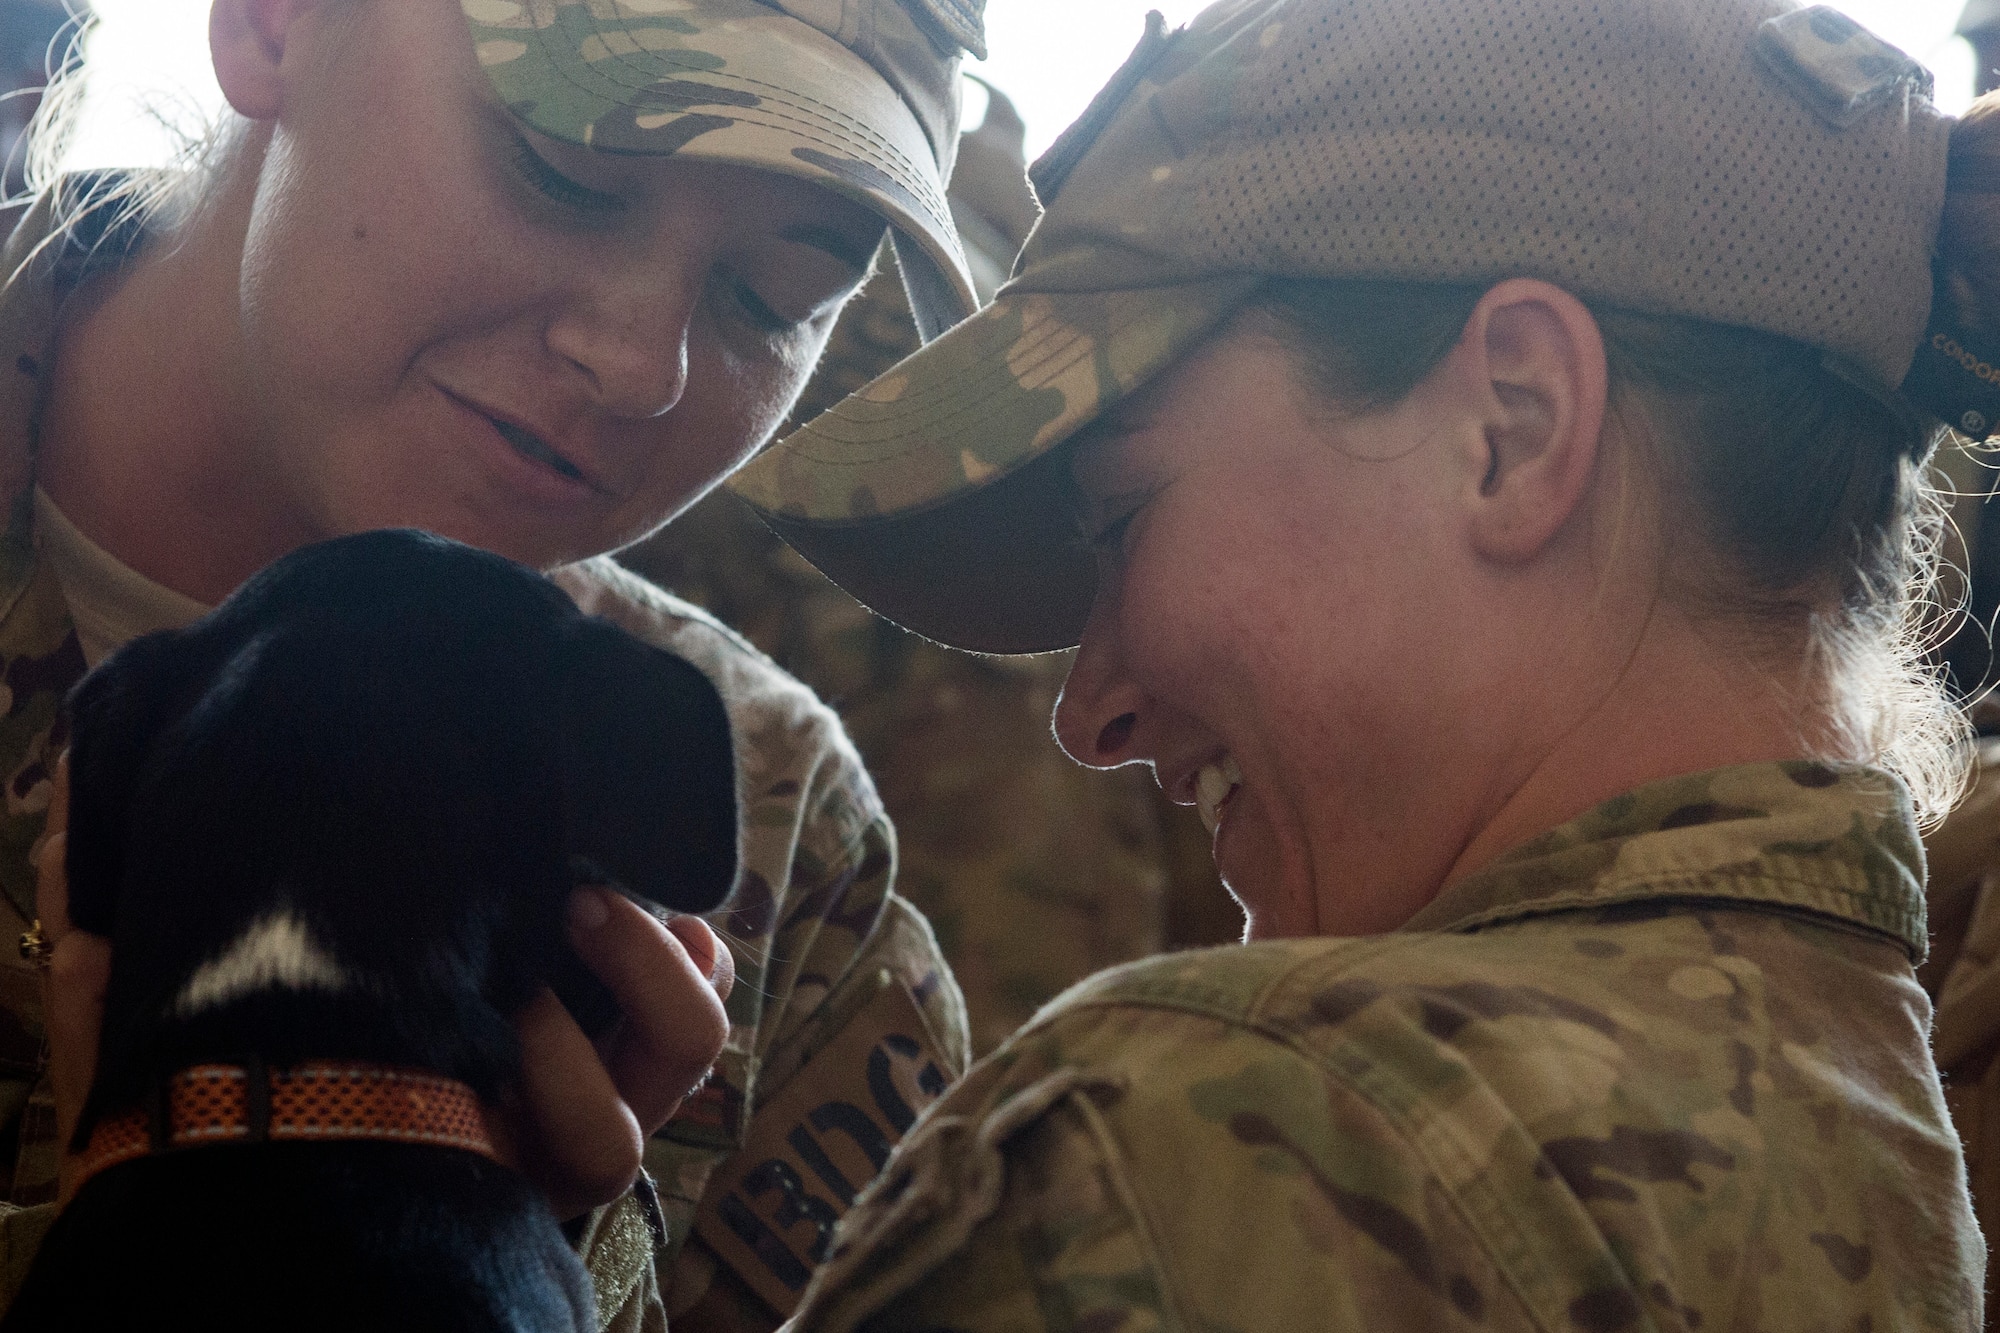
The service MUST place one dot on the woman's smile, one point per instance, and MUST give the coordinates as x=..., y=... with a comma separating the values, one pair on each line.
x=526, y=461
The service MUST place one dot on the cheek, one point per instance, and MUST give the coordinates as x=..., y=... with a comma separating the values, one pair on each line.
x=377, y=233
x=754, y=392
x=760, y=388
x=1178, y=631
x=1213, y=608
x=744, y=395
x=1291, y=638
x=341, y=289
x=732, y=405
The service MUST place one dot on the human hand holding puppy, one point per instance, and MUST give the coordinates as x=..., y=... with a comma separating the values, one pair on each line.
x=580, y=1120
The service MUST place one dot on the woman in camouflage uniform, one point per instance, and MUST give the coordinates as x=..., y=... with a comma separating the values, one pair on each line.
x=1495, y=429
x=532, y=275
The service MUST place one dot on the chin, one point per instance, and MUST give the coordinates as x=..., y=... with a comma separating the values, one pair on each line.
x=1260, y=921
x=1276, y=898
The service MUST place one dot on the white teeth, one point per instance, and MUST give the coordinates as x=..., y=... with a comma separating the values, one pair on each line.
x=1212, y=787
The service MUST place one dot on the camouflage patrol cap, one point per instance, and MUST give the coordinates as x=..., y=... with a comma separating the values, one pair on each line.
x=1728, y=160
x=860, y=96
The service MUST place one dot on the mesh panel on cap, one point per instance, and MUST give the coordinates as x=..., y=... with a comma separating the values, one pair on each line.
x=1631, y=150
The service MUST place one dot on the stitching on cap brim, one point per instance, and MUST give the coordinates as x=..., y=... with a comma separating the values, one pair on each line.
x=927, y=428
x=648, y=65
x=846, y=134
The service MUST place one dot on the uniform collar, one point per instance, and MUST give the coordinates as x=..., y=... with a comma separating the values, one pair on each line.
x=1835, y=840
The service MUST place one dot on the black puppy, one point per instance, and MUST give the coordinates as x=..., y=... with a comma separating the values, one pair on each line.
x=338, y=820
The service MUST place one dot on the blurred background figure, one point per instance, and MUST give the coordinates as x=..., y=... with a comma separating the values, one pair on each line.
x=37, y=38
x=1034, y=871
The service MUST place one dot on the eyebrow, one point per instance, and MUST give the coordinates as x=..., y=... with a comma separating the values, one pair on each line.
x=834, y=243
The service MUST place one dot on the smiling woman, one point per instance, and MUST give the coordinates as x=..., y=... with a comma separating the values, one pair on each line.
x=1496, y=502
x=447, y=264
x=397, y=309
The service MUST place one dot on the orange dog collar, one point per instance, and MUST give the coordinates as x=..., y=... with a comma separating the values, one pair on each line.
x=314, y=1102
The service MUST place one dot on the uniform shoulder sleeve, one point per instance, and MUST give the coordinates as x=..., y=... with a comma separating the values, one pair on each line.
x=1139, y=1166
x=845, y=1020
x=815, y=896
x=818, y=855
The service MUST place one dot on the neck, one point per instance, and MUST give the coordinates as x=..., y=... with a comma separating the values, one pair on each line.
x=145, y=443
x=1683, y=703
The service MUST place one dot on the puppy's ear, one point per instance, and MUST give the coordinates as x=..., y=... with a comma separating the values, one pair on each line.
x=649, y=769
x=115, y=713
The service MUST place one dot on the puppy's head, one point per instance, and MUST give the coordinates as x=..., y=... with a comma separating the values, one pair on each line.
x=361, y=676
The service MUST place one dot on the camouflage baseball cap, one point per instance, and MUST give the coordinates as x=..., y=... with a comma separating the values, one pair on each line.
x=1729, y=160
x=860, y=96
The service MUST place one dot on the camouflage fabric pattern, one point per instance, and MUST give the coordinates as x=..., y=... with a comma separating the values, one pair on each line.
x=1094, y=311
x=748, y=83
x=992, y=395
x=1287, y=139
x=1962, y=975
x=1663, y=1067
x=813, y=915
x=1088, y=318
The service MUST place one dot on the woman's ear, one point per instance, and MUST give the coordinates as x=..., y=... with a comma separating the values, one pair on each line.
x=1534, y=356
x=247, y=41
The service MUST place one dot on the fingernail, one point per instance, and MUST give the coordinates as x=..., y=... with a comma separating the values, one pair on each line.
x=698, y=938
x=587, y=910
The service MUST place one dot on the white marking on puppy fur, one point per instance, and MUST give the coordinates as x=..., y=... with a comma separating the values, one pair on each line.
x=276, y=952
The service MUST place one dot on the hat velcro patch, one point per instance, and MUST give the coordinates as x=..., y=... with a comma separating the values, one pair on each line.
x=952, y=24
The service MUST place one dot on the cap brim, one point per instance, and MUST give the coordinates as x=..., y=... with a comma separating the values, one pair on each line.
x=738, y=82
x=931, y=494
x=998, y=571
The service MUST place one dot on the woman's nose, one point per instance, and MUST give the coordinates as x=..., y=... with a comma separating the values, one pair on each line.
x=1099, y=715
x=630, y=341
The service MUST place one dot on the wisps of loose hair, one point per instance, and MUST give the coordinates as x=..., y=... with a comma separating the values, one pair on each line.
x=158, y=196
x=1793, y=502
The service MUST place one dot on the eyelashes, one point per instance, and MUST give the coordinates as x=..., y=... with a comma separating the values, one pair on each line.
x=759, y=311
x=1107, y=539
x=1110, y=538
x=573, y=196
x=558, y=188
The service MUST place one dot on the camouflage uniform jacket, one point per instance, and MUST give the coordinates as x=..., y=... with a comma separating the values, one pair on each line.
x=1663, y=1068
x=827, y=956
